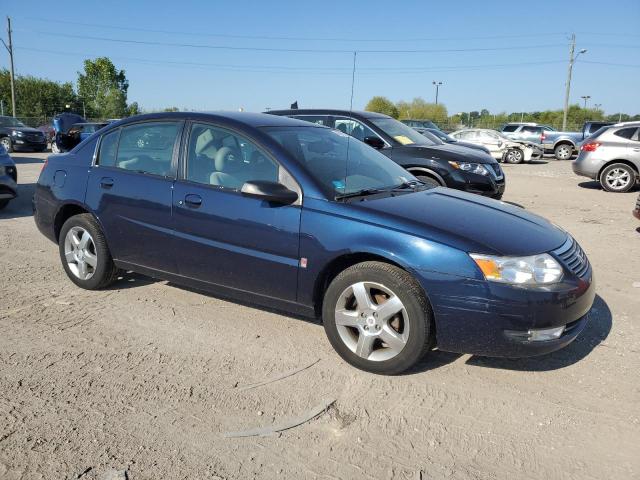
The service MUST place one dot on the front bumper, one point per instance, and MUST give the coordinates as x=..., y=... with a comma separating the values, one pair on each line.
x=476, y=317
x=488, y=186
x=29, y=143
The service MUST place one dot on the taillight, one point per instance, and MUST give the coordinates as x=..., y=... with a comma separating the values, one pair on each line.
x=542, y=137
x=590, y=147
x=45, y=163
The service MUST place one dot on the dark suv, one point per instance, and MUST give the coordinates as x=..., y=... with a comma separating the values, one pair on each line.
x=431, y=161
x=15, y=135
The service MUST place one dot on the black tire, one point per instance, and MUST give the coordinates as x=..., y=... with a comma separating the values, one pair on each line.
x=404, y=286
x=564, y=151
x=105, y=271
x=623, y=171
x=514, y=156
x=7, y=144
x=429, y=181
x=4, y=203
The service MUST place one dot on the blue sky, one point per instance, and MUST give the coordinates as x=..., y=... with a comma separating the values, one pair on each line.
x=503, y=56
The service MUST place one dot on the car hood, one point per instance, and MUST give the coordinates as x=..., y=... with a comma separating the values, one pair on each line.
x=468, y=222
x=451, y=152
x=25, y=129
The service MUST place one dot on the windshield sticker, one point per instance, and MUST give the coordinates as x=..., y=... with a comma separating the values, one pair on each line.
x=338, y=184
x=403, y=140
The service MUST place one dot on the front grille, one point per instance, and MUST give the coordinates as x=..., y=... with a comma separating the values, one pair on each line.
x=573, y=257
x=36, y=137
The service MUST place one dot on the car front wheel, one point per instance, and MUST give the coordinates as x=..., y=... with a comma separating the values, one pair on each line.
x=377, y=318
x=618, y=178
x=514, y=155
x=6, y=143
x=84, y=253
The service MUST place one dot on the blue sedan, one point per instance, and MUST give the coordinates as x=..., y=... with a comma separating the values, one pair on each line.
x=301, y=217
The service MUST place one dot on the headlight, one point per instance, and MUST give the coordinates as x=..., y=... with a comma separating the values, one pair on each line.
x=534, y=270
x=470, y=167
x=17, y=133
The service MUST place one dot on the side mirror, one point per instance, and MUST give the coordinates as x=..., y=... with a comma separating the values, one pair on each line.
x=270, y=191
x=375, y=142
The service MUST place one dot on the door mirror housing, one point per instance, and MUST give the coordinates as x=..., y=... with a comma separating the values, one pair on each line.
x=270, y=191
x=375, y=142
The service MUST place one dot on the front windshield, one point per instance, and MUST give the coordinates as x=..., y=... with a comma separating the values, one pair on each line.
x=441, y=135
x=10, y=122
x=339, y=163
x=400, y=132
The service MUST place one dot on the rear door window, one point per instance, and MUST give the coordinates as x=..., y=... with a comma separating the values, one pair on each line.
x=510, y=128
x=625, y=133
x=317, y=119
x=148, y=147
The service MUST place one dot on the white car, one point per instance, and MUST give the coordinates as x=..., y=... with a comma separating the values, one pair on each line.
x=500, y=147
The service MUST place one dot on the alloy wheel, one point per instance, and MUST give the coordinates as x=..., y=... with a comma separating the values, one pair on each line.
x=514, y=155
x=80, y=253
x=618, y=178
x=372, y=321
x=6, y=143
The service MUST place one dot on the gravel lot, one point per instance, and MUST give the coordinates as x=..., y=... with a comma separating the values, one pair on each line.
x=145, y=377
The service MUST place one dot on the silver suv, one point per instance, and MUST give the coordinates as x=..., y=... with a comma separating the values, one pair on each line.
x=612, y=156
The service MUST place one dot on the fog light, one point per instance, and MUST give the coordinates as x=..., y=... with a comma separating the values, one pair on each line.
x=536, y=335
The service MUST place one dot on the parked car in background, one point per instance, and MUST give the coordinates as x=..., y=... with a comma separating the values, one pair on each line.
x=446, y=138
x=8, y=178
x=16, y=136
x=500, y=147
x=437, y=164
x=301, y=217
x=636, y=212
x=612, y=157
x=62, y=123
x=526, y=132
x=565, y=144
x=49, y=132
x=420, y=124
x=77, y=133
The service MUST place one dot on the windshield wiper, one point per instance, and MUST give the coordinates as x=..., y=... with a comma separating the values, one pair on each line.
x=408, y=184
x=361, y=193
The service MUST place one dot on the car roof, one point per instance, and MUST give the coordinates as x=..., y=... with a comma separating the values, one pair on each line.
x=329, y=111
x=245, y=118
x=633, y=123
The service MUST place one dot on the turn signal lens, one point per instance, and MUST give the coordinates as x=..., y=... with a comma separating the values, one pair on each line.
x=590, y=147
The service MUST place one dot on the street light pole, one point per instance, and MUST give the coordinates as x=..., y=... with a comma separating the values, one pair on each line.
x=572, y=59
x=437, y=84
x=585, y=98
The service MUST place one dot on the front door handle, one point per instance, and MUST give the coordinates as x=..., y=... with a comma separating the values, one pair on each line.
x=106, y=182
x=192, y=200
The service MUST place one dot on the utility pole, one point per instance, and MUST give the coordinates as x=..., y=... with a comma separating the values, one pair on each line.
x=572, y=59
x=437, y=84
x=10, y=50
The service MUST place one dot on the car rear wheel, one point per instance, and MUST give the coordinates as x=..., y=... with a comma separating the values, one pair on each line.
x=377, y=318
x=429, y=181
x=84, y=253
x=618, y=177
x=6, y=143
x=563, y=152
x=514, y=155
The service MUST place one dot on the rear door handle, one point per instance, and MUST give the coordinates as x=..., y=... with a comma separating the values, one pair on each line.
x=106, y=182
x=192, y=200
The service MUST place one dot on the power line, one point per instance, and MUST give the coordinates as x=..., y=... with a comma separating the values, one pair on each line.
x=287, y=38
x=289, y=50
x=290, y=69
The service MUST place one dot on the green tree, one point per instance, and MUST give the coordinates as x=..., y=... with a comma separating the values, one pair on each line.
x=37, y=97
x=103, y=89
x=419, y=109
x=382, y=105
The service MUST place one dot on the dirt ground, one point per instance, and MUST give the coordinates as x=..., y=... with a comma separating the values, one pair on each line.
x=145, y=377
